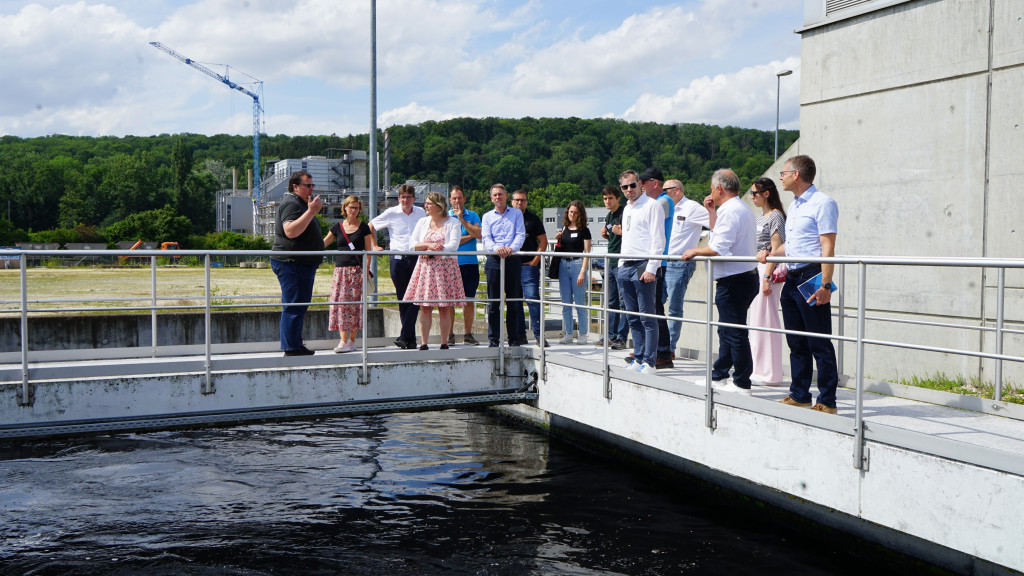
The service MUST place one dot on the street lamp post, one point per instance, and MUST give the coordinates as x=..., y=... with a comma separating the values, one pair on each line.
x=778, y=86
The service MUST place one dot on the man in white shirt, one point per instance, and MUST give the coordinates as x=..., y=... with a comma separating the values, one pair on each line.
x=689, y=219
x=732, y=234
x=643, y=233
x=400, y=221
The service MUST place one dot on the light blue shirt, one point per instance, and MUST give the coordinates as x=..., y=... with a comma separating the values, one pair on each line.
x=472, y=218
x=811, y=215
x=503, y=229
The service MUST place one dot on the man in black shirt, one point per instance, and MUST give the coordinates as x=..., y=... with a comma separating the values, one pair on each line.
x=536, y=241
x=618, y=329
x=296, y=229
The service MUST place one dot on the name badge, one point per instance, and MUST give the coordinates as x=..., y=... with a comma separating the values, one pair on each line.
x=573, y=235
x=351, y=246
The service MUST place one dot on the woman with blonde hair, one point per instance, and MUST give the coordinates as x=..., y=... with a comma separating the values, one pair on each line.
x=436, y=278
x=572, y=271
x=352, y=235
x=766, y=347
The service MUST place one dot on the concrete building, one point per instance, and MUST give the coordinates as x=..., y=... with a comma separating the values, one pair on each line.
x=912, y=111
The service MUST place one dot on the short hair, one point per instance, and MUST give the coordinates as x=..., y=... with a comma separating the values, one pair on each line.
x=805, y=166
x=727, y=179
x=763, y=184
x=632, y=173
x=580, y=208
x=611, y=191
x=523, y=192
x=353, y=199
x=296, y=179
x=454, y=189
x=501, y=186
x=407, y=189
x=439, y=199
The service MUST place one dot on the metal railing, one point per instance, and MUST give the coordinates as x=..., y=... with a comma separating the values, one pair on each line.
x=154, y=302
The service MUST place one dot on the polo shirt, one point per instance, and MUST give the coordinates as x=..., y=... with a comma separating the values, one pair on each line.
x=472, y=218
x=690, y=219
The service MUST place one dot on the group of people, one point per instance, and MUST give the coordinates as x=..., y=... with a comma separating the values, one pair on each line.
x=656, y=220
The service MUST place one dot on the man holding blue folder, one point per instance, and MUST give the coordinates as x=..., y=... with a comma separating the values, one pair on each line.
x=811, y=228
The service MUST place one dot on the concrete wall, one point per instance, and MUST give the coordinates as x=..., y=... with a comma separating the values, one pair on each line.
x=133, y=330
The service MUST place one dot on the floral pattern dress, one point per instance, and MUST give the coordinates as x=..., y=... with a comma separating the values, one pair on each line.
x=435, y=277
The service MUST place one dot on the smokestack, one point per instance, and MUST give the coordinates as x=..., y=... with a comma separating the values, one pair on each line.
x=234, y=178
x=250, y=179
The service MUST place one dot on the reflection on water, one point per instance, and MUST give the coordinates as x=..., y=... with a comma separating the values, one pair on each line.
x=424, y=493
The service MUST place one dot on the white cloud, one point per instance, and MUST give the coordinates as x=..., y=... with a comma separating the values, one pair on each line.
x=744, y=98
x=411, y=113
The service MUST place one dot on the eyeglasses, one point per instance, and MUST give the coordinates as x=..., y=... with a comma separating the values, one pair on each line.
x=519, y=199
x=310, y=186
x=784, y=172
x=628, y=186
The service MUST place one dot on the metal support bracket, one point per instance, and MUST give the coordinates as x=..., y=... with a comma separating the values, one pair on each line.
x=865, y=460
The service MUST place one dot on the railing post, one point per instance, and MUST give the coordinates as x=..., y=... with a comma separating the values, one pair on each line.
x=709, y=402
x=543, y=341
x=25, y=398
x=842, y=315
x=152, y=315
x=502, y=332
x=364, y=377
x=604, y=331
x=208, y=382
x=859, y=461
x=1000, y=293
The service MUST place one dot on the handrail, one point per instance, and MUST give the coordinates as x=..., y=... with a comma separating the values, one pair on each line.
x=998, y=354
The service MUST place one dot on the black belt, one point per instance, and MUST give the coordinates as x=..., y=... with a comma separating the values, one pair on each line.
x=570, y=259
x=804, y=272
x=633, y=262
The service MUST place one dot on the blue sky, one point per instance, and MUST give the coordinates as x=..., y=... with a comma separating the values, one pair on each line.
x=86, y=68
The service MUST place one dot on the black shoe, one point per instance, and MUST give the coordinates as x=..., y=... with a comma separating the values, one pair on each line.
x=444, y=346
x=630, y=358
x=401, y=343
x=618, y=345
x=664, y=362
x=300, y=351
x=492, y=344
x=424, y=347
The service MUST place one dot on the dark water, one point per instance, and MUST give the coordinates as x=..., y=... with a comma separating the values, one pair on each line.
x=427, y=493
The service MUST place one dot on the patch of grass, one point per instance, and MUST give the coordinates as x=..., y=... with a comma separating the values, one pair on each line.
x=972, y=386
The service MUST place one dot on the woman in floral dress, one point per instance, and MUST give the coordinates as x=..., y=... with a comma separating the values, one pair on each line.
x=352, y=235
x=436, y=278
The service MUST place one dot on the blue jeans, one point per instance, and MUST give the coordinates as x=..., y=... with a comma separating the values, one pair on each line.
x=513, y=289
x=570, y=293
x=296, y=286
x=618, y=329
x=733, y=295
x=797, y=314
x=677, y=277
x=531, y=291
x=639, y=296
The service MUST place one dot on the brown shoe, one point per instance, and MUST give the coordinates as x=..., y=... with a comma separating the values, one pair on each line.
x=822, y=408
x=788, y=400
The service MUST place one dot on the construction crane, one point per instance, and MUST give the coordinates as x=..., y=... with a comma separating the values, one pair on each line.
x=257, y=110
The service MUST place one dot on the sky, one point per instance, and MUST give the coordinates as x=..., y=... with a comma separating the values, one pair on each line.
x=86, y=68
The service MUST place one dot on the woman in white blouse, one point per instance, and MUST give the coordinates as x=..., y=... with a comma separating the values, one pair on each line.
x=436, y=281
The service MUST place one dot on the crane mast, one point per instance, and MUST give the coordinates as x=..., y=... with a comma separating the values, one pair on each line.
x=257, y=110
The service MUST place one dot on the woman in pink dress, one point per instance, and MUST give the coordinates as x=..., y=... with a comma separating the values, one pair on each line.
x=766, y=347
x=436, y=277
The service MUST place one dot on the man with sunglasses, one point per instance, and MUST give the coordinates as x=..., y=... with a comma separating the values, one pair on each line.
x=296, y=229
x=643, y=233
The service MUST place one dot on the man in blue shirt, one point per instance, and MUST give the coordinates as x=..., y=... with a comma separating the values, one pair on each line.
x=811, y=228
x=469, y=266
x=503, y=233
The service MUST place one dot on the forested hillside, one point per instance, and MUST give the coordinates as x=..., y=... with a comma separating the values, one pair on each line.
x=70, y=188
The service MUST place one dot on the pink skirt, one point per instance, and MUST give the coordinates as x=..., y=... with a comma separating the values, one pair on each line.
x=436, y=278
x=347, y=286
x=766, y=347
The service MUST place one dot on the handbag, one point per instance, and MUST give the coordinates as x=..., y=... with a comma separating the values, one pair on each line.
x=779, y=273
x=554, y=261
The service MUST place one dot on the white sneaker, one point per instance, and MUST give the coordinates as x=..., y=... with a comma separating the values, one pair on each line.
x=646, y=368
x=728, y=386
x=582, y=340
x=567, y=339
x=633, y=366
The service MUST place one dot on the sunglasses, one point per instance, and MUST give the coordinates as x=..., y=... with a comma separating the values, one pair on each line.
x=630, y=185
